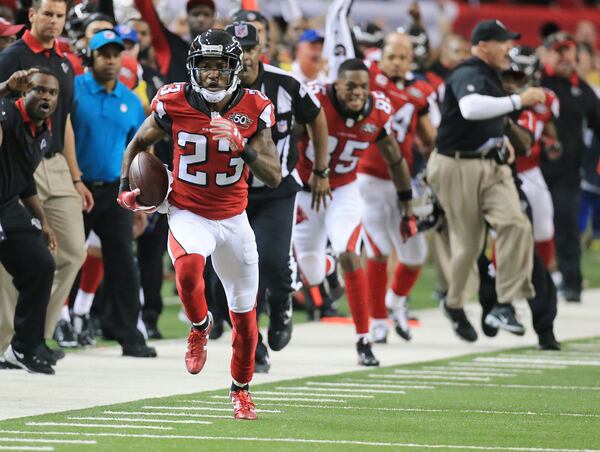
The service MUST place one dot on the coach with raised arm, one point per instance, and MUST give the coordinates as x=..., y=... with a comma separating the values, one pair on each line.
x=471, y=177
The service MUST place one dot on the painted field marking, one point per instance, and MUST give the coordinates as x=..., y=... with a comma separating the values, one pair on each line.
x=525, y=359
x=563, y=354
x=367, y=384
x=129, y=419
x=156, y=413
x=26, y=448
x=76, y=424
x=308, y=441
x=452, y=372
x=482, y=371
x=503, y=385
x=427, y=377
x=492, y=368
x=183, y=408
x=288, y=399
x=6, y=439
x=312, y=388
x=259, y=394
x=509, y=365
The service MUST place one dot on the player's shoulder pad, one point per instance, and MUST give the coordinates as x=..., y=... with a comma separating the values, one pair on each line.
x=166, y=95
x=261, y=104
x=382, y=102
x=317, y=88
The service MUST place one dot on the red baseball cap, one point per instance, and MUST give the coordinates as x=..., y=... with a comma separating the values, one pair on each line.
x=8, y=29
x=192, y=3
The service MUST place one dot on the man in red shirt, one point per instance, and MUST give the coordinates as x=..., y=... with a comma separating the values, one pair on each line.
x=219, y=131
x=356, y=119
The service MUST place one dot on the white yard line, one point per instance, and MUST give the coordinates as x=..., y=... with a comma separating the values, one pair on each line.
x=441, y=371
x=6, y=439
x=160, y=413
x=328, y=390
x=367, y=384
x=511, y=366
x=185, y=408
x=484, y=371
x=427, y=377
x=313, y=441
x=26, y=448
x=130, y=419
x=259, y=394
x=525, y=359
x=289, y=399
x=77, y=424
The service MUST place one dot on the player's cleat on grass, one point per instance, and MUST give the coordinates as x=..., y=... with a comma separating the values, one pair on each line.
x=365, y=354
x=31, y=362
x=280, y=325
x=397, y=307
x=503, y=316
x=262, y=362
x=243, y=407
x=195, y=356
x=83, y=330
x=379, y=331
x=547, y=341
x=460, y=323
x=64, y=335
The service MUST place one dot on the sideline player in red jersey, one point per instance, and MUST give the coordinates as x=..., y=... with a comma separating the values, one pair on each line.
x=538, y=121
x=356, y=118
x=409, y=97
x=219, y=130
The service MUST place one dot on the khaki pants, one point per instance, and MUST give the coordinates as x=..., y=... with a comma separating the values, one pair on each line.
x=473, y=192
x=62, y=207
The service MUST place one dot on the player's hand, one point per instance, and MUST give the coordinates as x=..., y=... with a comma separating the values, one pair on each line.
x=128, y=200
x=319, y=187
x=532, y=96
x=408, y=227
x=20, y=81
x=87, y=199
x=50, y=237
x=223, y=129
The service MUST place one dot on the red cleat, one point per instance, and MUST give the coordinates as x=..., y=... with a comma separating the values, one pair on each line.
x=195, y=355
x=243, y=407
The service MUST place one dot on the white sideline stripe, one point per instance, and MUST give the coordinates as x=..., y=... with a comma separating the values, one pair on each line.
x=6, y=439
x=373, y=391
x=427, y=377
x=130, y=419
x=508, y=365
x=526, y=359
x=492, y=368
x=157, y=413
x=367, y=384
x=76, y=424
x=26, y=448
x=566, y=355
x=507, y=385
x=287, y=399
x=259, y=394
x=451, y=372
x=146, y=407
x=307, y=441
x=484, y=371
x=559, y=356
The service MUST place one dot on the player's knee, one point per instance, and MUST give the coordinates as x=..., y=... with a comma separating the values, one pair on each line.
x=242, y=303
x=188, y=274
x=313, y=267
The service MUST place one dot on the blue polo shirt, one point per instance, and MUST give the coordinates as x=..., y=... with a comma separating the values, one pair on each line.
x=104, y=123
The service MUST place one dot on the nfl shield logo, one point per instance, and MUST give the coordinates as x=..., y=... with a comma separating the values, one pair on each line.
x=241, y=31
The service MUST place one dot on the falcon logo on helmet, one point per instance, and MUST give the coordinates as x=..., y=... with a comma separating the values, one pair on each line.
x=215, y=44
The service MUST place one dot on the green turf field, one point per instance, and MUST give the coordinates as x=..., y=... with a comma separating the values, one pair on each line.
x=519, y=400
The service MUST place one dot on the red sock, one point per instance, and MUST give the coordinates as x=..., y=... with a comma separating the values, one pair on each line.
x=546, y=251
x=404, y=279
x=189, y=280
x=92, y=273
x=356, y=292
x=315, y=294
x=244, y=340
x=377, y=286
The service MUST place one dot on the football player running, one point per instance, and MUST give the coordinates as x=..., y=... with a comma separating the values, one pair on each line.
x=219, y=130
x=356, y=118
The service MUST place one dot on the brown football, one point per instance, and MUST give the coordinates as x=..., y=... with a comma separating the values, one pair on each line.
x=149, y=175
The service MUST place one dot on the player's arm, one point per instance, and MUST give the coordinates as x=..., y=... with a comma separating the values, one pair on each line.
x=148, y=134
x=260, y=154
x=520, y=137
x=426, y=133
x=319, y=186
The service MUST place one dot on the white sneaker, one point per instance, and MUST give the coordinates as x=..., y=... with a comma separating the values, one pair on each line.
x=397, y=306
x=379, y=331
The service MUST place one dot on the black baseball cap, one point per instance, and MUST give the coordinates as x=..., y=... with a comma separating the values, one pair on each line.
x=492, y=30
x=244, y=15
x=245, y=33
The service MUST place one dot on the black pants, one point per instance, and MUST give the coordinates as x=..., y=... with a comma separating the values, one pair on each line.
x=151, y=247
x=113, y=225
x=27, y=259
x=272, y=221
x=567, y=204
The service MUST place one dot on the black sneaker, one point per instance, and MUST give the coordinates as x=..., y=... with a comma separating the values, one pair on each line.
x=280, y=325
x=460, y=323
x=262, y=362
x=83, y=329
x=571, y=295
x=365, y=354
x=64, y=334
x=503, y=316
x=547, y=341
x=140, y=350
x=489, y=331
x=49, y=354
x=31, y=362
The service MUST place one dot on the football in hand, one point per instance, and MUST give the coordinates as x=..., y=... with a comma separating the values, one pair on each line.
x=149, y=174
